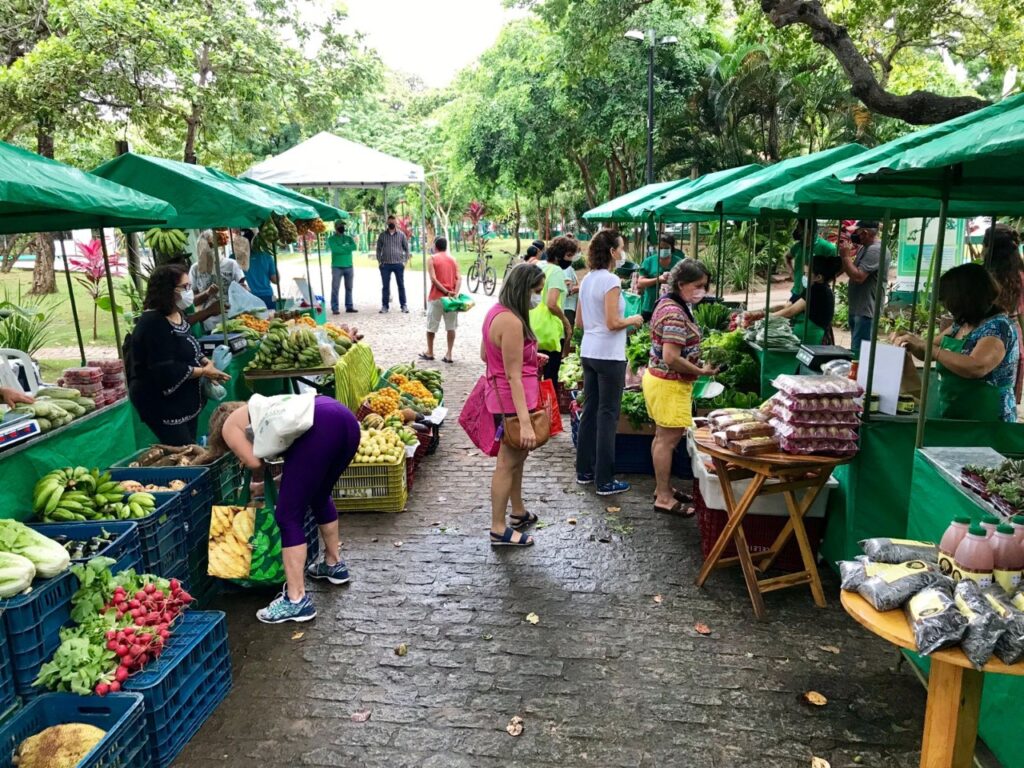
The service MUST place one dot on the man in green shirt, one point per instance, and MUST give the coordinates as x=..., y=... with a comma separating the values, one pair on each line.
x=795, y=259
x=654, y=271
x=342, y=247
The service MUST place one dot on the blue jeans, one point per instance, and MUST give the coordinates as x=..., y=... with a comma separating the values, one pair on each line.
x=386, y=271
x=337, y=273
x=860, y=330
x=267, y=299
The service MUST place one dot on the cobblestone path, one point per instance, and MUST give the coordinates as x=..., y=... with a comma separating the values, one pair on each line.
x=613, y=674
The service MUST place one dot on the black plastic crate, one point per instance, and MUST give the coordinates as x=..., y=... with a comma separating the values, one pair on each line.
x=195, y=498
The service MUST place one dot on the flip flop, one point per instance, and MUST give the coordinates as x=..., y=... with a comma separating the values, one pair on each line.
x=524, y=521
x=425, y=356
x=447, y=360
x=679, y=509
x=505, y=539
x=684, y=498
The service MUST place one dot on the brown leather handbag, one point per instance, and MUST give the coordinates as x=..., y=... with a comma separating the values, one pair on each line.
x=541, y=421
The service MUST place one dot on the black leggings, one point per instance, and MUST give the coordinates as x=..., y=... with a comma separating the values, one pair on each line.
x=602, y=386
x=553, y=364
x=175, y=434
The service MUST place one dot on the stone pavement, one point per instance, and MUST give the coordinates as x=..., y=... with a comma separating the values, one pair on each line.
x=613, y=674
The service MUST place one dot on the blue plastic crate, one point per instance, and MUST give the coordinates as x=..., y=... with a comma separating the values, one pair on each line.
x=163, y=536
x=119, y=714
x=195, y=498
x=226, y=476
x=32, y=623
x=125, y=549
x=8, y=698
x=184, y=686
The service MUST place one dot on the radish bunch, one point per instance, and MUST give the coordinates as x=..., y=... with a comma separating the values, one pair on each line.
x=145, y=620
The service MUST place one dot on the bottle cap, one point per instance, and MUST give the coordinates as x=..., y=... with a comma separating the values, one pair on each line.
x=976, y=530
x=965, y=520
x=1005, y=528
x=989, y=519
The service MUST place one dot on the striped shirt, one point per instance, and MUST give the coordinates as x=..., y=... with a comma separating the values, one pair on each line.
x=392, y=248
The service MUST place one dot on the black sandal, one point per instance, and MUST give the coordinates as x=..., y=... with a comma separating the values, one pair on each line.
x=524, y=521
x=425, y=356
x=505, y=539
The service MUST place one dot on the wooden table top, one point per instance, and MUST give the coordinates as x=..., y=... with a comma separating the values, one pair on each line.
x=260, y=373
x=893, y=626
x=765, y=463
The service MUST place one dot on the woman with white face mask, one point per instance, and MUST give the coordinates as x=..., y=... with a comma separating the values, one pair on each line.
x=165, y=362
x=673, y=367
x=599, y=312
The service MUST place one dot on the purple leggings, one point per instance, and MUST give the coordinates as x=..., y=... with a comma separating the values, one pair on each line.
x=312, y=465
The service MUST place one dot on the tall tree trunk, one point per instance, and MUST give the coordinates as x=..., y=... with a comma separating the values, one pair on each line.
x=588, y=180
x=519, y=218
x=195, y=116
x=612, y=188
x=43, y=279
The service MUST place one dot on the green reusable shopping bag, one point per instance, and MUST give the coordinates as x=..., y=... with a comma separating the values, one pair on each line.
x=266, y=567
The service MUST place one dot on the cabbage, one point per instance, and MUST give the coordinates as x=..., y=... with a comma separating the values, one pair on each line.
x=49, y=557
x=16, y=574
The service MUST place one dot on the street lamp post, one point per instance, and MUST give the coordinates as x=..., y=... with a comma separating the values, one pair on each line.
x=652, y=41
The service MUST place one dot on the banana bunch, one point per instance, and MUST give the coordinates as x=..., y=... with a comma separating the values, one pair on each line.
x=166, y=242
x=229, y=549
x=281, y=350
x=286, y=230
x=266, y=238
x=430, y=378
x=406, y=435
x=78, y=493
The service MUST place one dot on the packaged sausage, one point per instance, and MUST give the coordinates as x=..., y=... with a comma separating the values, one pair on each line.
x=754, y=445
x=749, y=429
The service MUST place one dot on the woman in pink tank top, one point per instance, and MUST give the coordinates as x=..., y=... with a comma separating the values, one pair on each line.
x=509, y=350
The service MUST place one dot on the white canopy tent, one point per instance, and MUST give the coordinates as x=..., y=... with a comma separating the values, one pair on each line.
x=329, y=161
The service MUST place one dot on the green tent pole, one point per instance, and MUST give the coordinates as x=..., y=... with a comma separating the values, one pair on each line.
x=309, y=275
x=71, y=296
x=721, y=247
x=110, y=292
x=917, y=275
x=220, y=289
x=277, y=270
x=936, y=267
x=768, y=282
x=987, y=252
x=809, y=224
x=750, y=270
x=320, y=265
x=882, y=277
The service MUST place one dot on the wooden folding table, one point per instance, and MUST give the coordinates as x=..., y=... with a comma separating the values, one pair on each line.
x=769, y=473
x=954, y=687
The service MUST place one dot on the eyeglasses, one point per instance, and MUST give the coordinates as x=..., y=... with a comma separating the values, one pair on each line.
x=184, y=287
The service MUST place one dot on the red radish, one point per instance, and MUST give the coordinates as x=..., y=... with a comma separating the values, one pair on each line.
x=158, y=594
x=143, y=658
x=164, y=634
x=129, y=630
x=185, y=597
x=141, y=594
x=111, y=634
x=121, y=674
x=102, y=689
x=115, y=687
x=112, y=645
x=134, y=603
x=150, y=589
x=175, y=585
x=122, y=651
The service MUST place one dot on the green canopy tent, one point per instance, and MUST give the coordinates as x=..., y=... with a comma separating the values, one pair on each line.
x=203, y=197
x=325, y=211
x=618, y=209
x=732, y=199
x=38, y=194
x=982, y=160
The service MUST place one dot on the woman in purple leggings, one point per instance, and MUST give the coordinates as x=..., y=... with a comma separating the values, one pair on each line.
x=312, y=465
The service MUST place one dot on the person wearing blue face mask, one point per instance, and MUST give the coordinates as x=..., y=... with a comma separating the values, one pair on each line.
x=165, y=363
x=654, y=274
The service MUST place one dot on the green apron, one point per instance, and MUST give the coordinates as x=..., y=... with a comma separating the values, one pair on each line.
x=960, y=398
x=815, y=333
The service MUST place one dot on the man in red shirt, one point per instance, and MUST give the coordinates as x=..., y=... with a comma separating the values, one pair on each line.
x=444, y=282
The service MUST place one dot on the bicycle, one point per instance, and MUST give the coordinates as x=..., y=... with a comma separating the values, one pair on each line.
x=513, y=260
x=481, y=272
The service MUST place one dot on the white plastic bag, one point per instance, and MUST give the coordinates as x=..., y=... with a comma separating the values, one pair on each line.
x=279, y=421
x=240, y=300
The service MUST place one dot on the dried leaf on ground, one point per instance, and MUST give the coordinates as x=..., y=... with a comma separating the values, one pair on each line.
x=436, y=523
x=815, y=698
x=361, y=716
x=401, y=649
x=828, y=649
x=701, y=629
x=374, y=540
x=820, y=762
x=515, y=726
x=488, y=637
x=571, y=521
x=533, y=618
x=613, y=510
x=298, y=635
x=605, y=540
x=657, y=599
x=541, y=524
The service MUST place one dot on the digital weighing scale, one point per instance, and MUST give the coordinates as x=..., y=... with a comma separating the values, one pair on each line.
x=236, y=342
x=813, y=356
x=17, y=427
